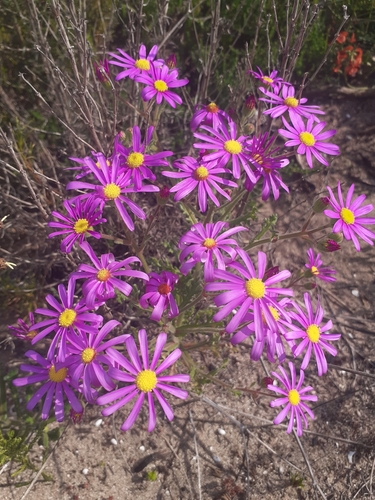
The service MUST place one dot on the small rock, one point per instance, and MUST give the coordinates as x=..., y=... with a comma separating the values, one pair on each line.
x=85, y=471
x=99, y=422
x=216, y=459
x=355, y=293
x=114, y=441
x=221, y=432
x=142, y=448
x=350, y=456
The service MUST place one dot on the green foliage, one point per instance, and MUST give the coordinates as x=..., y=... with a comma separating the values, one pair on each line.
x=151, y=475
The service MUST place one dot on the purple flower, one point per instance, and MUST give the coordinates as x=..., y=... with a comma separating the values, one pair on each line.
x=23, y=330
x=315, y=267
x=309, y=139
x=205, y=245
x=248, y=291
x=273, y=80
x=65, y=319
x=143, y=379
x=209, y=115
x=273, y=339
x=115, y=184
x=202, y=175
x=86, y=357
x=293, y=397
x=135, y=161
x=57, y=384
x=134, y=67
x=104, y=277
x=229, y=148
x=158, y=82
x=312, y=334
x=350, y=216
x=288, y=102
x=82, y=216
x=159, y=295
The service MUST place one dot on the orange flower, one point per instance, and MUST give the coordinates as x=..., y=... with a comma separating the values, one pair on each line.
x=342, y=37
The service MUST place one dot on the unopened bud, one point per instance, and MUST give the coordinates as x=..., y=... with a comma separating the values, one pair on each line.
x=163, y=195
x=321, y=205
x=266, y=381
x=76, y=416
x=249, y=106
x=271, y=272
x=102, y=72
x=171, y=62
x=328, y=246
x=249, y=128
x=337, y=237
x=309, y=286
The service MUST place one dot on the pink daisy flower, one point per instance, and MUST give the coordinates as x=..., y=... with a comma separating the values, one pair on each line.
x=135, y=67
x=82, y=216
x=159, y=295
x=248, y=292
x=273, y=81
x=103, y=279
x=201, y=175
x=57, y=383
x=313, y=335
x=288, y=102
x=205, y=243
x=23, y=330
x=158, y=82
x=315, y=267
x=143, y=380
x=309, y=139
x=293, y=397
x=229, y=148
x=210, y=115
x=350, y=216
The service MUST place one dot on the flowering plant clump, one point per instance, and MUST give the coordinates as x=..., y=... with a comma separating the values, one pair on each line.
x=211, y=270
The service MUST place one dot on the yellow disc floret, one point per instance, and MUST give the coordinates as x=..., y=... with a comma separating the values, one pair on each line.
x=112, y=191
x=146, y=380
x=314, y=270
x=255, y=288
x=88, y=355
x=142, y=64
x=209, y=243
x=212, y=108
x=291, y=102
x=30, y=335
x=267, y=79
x=57, y=376
x=103, y=275
x=347, y=216
x=313, y=333
x=160, y=86
x=67, y=318
x=135, y=160
x=307, y=139
x=274, y=312
x=294, y=397
x=258, y=159
x=200, y=174
x=232, y=147
x=81, y=226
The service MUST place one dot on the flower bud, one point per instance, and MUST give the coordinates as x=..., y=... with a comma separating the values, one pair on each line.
x=320, y=205
x=75, y=416
x=102, y=72
x=265, y=382
x=163, y=195
x=249, y=128
x=271, y=272
x=328, y=246
x=171, y=62
x=309, y=286
x=337, y=237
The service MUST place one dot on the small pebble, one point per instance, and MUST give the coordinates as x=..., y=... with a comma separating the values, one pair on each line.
x=350, y=335
x=121, y=441
x=281, y=469
x=348, y=116
x=99, y=422
x=355, y=293
x=142, y=448
x=211, y=448
x=216, y=459
x=194, y=458
x=221, y=432
x=76, y=452
x=350, y=456
x=114, y=441
x=85, y=471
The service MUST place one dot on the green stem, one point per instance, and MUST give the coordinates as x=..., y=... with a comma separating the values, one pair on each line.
x=138, y=252
x=191, y=304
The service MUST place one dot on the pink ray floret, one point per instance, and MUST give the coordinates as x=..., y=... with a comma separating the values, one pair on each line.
x=135, y=67
x=159, y=295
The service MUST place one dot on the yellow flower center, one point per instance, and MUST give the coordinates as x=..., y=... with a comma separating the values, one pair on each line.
x=146, y=380
x=57, y=376
x=307, y=139
x=135, y=160
x=112, y=191
x=209, y=243
x=313, y=332
x=267, y=79
x=81, y=226
x=347, y=216
x=103, y=275
x=258, y=159
x=294, y=397
x=67, y=318
x=31, y=335
x=291, y=102
x=212, y=108
x=164, y=289
x=107, y=162
x=200, y=174
x=232, y=147
x=160, y=85
x=255, y=288
x=314, y=270
x=88, y=355
x=274, y=312
x=143, y=64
